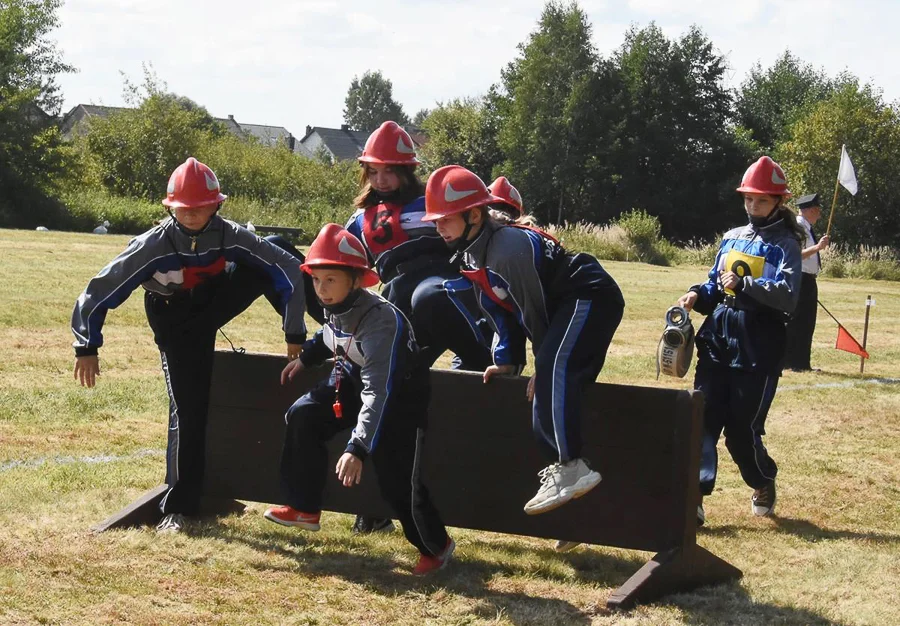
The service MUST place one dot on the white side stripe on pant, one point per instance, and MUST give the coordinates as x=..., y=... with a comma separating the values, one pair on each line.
x=560, y=365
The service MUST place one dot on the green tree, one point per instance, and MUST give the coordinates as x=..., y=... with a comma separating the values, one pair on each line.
x=680, y=157
x=544, y=97
x=370, y=102
x=768, y=101
x=420, y=117
x=857, y=116
x=31, y=156
x=133, y=151
x=460, y=132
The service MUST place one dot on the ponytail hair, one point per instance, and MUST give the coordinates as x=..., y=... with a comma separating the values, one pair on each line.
x=499, y=214
x=790, y=220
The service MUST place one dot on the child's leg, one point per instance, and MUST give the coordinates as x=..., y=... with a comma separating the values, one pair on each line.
x=445, y=317
x=571, y=356
x=246, y=283
x=715, y=383
x=398, y=462
x=187, y=366
x=751, y=397
x=304, y=459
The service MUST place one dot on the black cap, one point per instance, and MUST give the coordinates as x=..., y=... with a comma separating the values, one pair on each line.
x=808, y=202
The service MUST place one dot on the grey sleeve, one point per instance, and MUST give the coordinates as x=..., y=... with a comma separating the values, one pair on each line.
x=108, y=289
x=381, y=344
x=515, y=263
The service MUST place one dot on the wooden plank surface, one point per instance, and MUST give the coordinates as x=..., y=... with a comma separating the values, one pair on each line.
x=481, y=461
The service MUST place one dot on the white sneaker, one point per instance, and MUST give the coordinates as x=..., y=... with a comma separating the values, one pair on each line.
x=565, y=546
x=560, y=483
x=171, y=523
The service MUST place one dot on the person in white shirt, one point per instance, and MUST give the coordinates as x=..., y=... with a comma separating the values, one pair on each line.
x=800, y=328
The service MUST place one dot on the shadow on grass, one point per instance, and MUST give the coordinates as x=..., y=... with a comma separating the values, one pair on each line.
x=803, y=529
x=473, y=577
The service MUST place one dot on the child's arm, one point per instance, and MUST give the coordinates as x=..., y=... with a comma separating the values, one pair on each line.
x=704, y=297
x=508, y=348
x=384, y=343
x=315, y=352
x=107, y=290
x=782, y=291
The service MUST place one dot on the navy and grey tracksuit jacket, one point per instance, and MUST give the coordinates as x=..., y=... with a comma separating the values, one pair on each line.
x=741, y=345
x=167, y=261
x=384, y=392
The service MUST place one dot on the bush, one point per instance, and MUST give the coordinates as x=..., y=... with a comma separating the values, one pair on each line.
x=876, y=263
x=644, y=234
x=609, y=243
x=89, y=208
x=698, y=253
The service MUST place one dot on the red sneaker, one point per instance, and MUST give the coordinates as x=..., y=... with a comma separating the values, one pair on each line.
x=428, y=564
x=288, y=516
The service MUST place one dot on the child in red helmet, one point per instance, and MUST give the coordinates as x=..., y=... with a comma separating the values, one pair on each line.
x=378, y=387
x=752, y=289
x=412, y=261
x=528, y=285
x=198, y=271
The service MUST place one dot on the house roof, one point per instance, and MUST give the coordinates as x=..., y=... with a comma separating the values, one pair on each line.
x=343, y=143
x=269, y=135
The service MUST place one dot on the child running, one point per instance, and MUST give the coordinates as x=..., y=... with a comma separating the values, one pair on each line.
x=752, y=288
x=378, y=387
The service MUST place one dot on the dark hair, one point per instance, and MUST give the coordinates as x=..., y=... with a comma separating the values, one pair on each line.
x=790, y=220
x=410, y=186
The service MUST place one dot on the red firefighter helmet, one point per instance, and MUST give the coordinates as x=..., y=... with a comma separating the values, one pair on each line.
x=334, y=245
x=193, y=185
x=389, y=145
x=765, y=176
x=510, y=196
x=454, y=189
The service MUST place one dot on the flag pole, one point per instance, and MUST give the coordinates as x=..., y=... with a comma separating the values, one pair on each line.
x=862, y=359
x=837, y=184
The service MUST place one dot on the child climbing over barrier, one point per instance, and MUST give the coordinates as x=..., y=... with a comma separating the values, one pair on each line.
x=528, y=285
x=751, y=290
x=412, y=261
x=199, y=271
x=379, y=388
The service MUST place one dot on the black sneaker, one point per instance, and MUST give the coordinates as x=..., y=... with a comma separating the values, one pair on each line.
x=364, y=525
x=763, y=500
x=701, y=515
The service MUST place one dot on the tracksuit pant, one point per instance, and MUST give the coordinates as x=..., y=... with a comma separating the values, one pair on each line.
x=184, y=328
x=570, y=357
x=444, y=316
x=802, y=325
x=736, y=402
x=397, y=455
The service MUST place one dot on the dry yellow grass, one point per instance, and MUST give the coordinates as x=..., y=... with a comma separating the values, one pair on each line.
x=831, y=555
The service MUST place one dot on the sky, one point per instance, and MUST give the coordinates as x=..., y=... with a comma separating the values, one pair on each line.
x=289, y=63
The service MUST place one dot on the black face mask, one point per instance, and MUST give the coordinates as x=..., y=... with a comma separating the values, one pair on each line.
x=343, y=307
x=759, y=222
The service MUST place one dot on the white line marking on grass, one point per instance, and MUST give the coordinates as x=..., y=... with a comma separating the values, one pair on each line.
x=68, y=460
x=848, y=383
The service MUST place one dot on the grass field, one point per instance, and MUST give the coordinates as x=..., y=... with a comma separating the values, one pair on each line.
x=70, y=457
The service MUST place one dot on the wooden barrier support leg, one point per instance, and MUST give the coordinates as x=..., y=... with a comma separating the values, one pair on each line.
x=145, y=510
x=679, y=569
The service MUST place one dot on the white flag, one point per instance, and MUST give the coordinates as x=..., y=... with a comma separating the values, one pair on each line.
x=846, y=173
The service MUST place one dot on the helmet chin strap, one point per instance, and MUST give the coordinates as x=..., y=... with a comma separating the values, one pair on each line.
x=459, y=246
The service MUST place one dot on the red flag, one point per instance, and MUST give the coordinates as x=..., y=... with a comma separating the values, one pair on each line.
x=847, y=343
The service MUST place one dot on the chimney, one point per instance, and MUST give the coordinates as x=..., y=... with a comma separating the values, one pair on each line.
x=345, y=126
x=231, y=117
x=308, y=130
